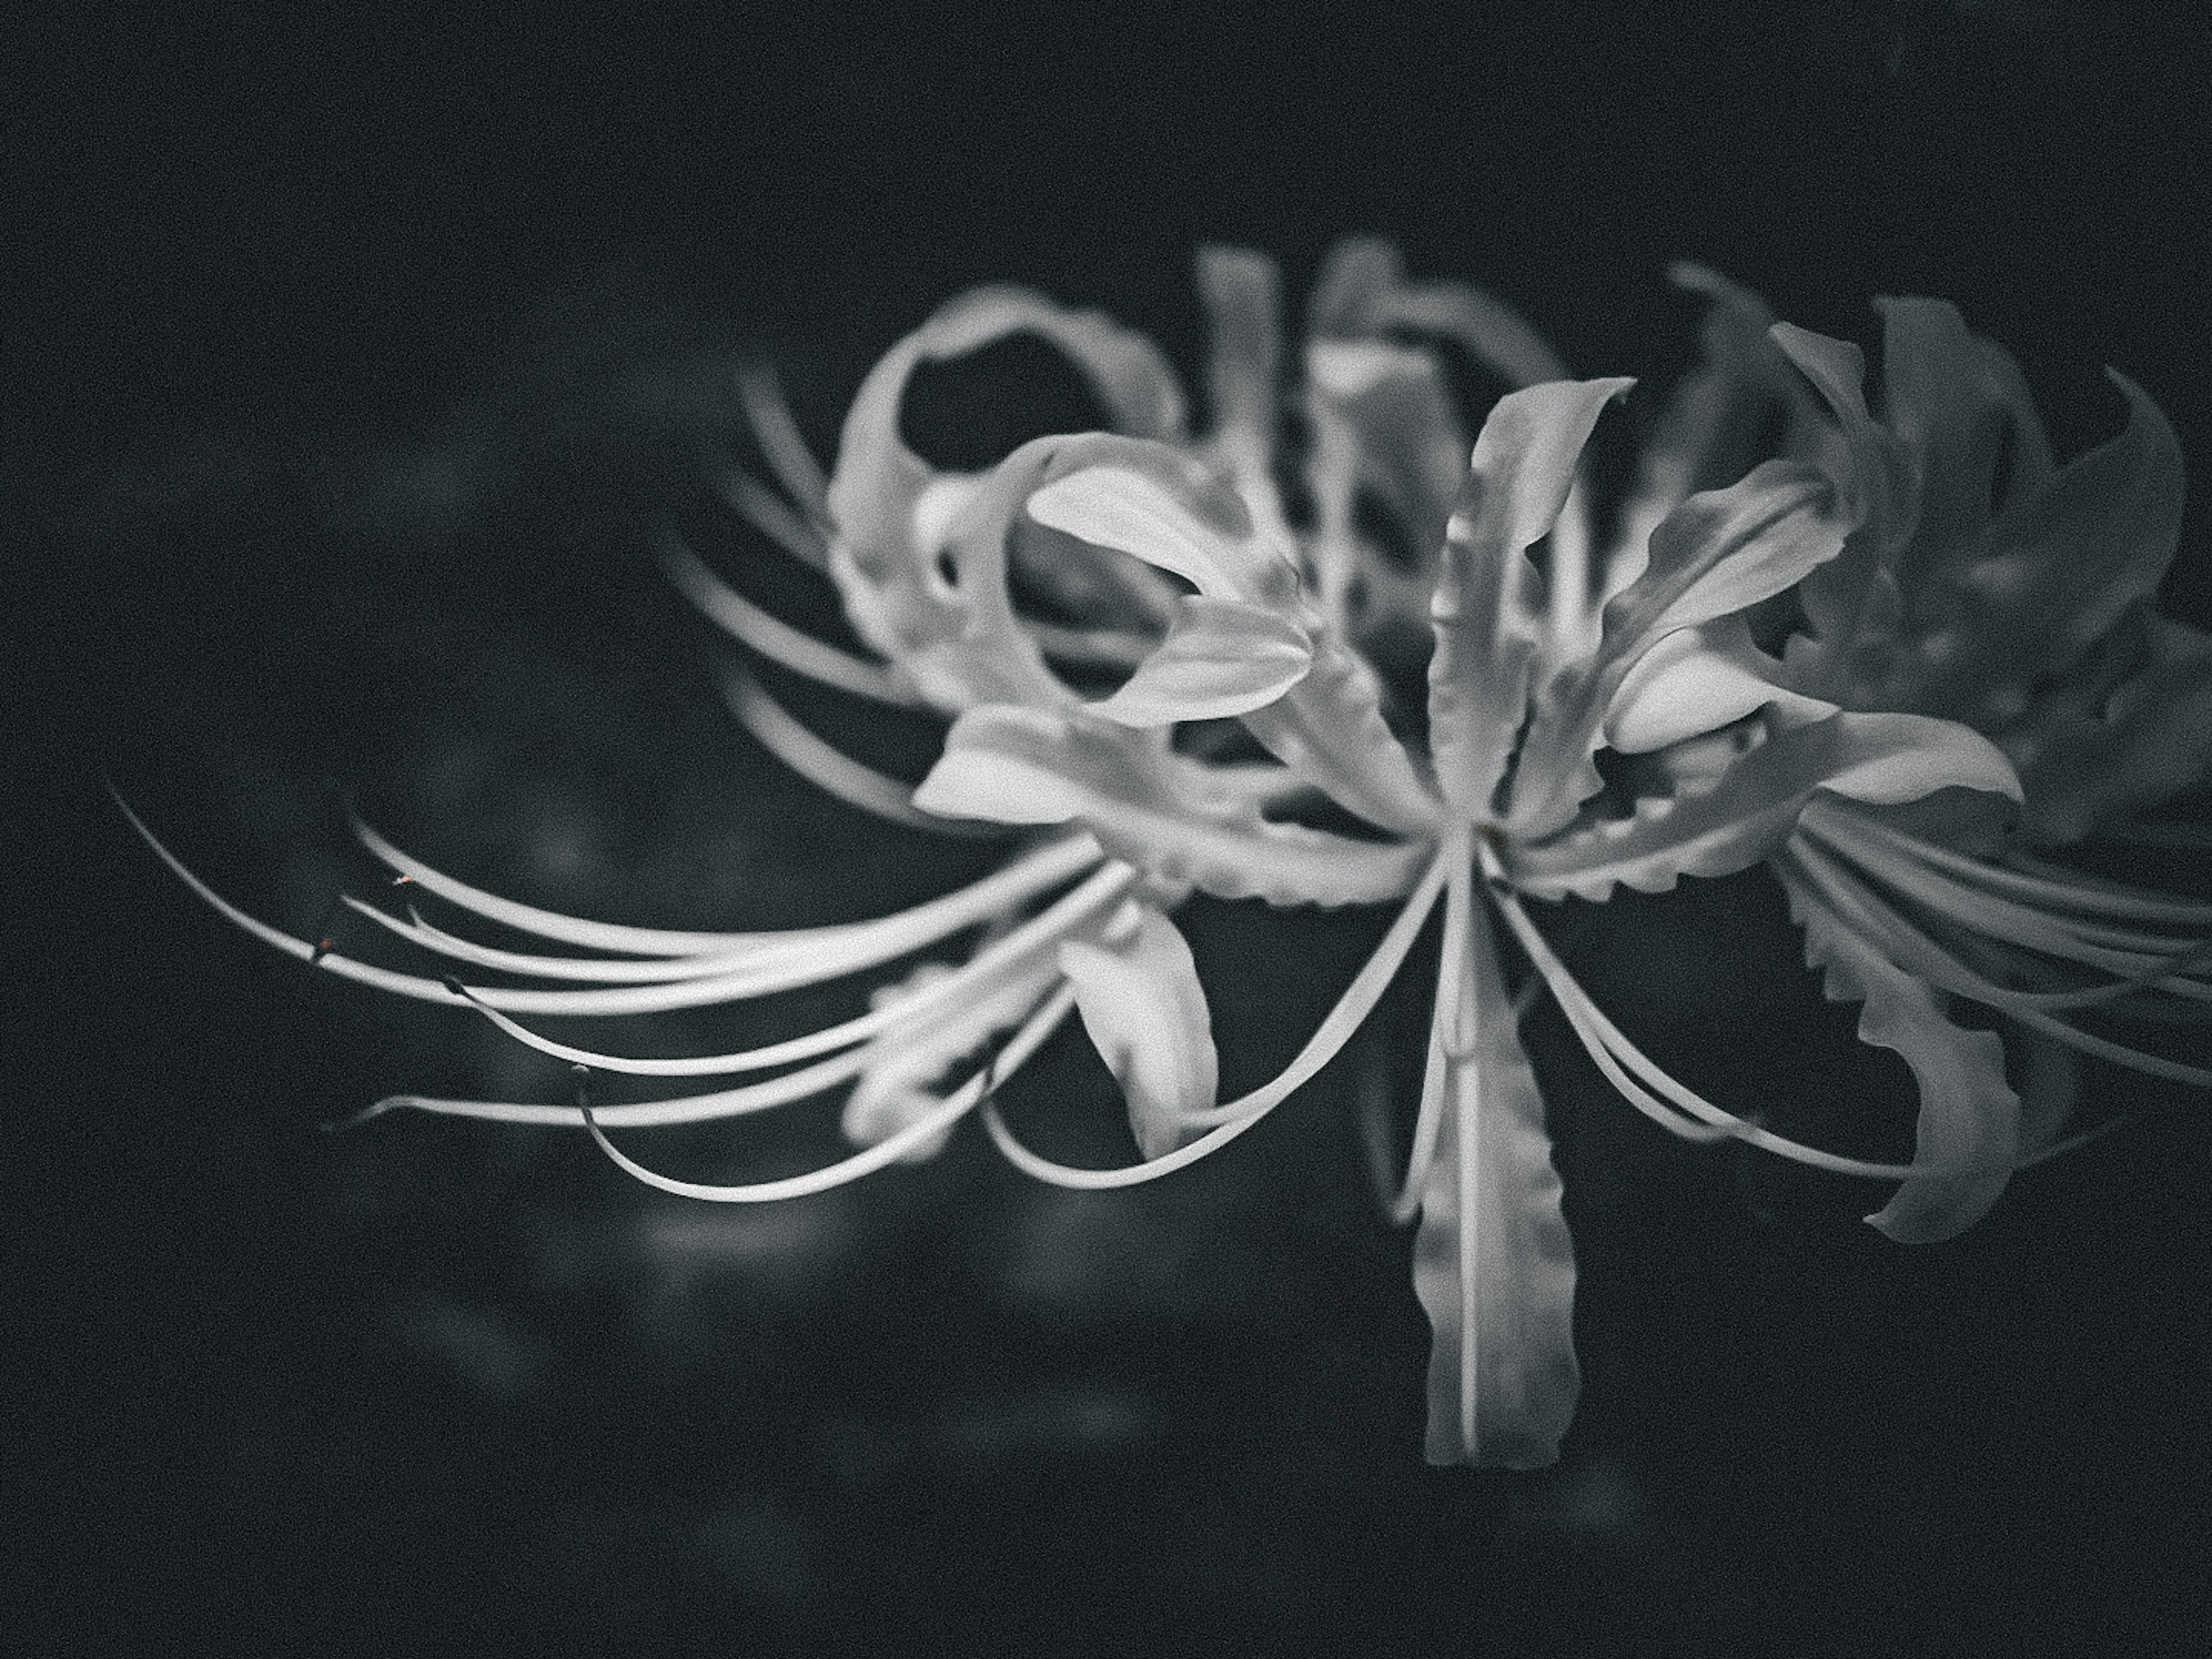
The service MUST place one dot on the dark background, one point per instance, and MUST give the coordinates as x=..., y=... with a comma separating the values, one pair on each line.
x=346, y=364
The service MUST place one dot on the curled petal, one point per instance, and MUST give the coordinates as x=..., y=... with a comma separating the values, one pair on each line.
x=1138, y=993
x=1969, y=1114
x=2089, y=759
x=1174, y=512
x=1155, y=809
x=1698, y=681
x=892, y=510
x=1220, y=658
x=1880, y=759
x=1328, y=726
x=1713, y=427
x=1960, y=401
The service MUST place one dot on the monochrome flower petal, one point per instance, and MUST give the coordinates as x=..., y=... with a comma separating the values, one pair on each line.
x=1221, y=657
x=1493, y=1265
x=1137, y=990
x=1968, y=1113
x=1153, y=808
x=1490, y=608
x=1880, y=758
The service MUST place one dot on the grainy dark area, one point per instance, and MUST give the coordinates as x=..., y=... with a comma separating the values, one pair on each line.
x=347, y=364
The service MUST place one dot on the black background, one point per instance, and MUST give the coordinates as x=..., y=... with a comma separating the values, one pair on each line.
x=345, y=363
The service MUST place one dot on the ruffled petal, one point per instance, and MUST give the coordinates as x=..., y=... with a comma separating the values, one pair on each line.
x=1880, y=759
x=1968, y=1113
x=1220, y=658
x=1175, y=513
x=1160, y=811
x=1493, y=1265
x=1137, y=990
x=1715, y=421
x=1490, y=606
x=1960, y=401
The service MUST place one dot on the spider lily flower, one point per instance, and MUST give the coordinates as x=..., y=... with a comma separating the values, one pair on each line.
x=1985, y=584
x=1175, y=561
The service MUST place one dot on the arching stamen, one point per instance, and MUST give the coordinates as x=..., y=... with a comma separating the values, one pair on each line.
x=991, y=966
x=426, y=935
x=1358, y=1001
x=2115, y=950
x=793, y=464
x=765, y=511
x=1917, y=952
x=831, y=770
x=2120, y=1054
x=2038, y=881
x=1047, y=866
x=1023, y=1043
x=866, y=944
x=774, y=638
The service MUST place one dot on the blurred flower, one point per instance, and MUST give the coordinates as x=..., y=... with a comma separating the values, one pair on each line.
x=1985, y=584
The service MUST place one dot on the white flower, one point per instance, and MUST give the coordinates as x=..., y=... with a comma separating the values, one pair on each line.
x=1173, y=561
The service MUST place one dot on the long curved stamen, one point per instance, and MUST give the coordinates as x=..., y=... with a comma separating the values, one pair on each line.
x=765, y=511
x=2036, y=881
x=1023, y=1043
x=1602, y=1041
x=2036, y=878
x=1914, y=949
x=1358, y=1001
x=2117, y=950
x=1047, y=865
x=785, y=449
x=830, y=768
x=591, y=970
x=774, y=639
x=779, y=972
x=978, y=976
x=2120, y=1054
